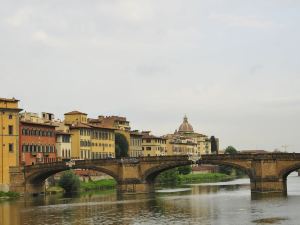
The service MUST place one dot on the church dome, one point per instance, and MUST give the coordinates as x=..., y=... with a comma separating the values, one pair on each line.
x=185, y=127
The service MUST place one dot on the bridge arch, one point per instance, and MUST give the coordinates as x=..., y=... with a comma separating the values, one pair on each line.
x=150, y=174
x=41, y=176
x=240, y=166
x=285, y=172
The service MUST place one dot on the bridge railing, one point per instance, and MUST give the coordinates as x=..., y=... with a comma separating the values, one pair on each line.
x=253, y=156
x=111, y=160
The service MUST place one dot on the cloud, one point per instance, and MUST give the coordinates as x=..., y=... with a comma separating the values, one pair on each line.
x=241, y=21
x=21, y=17
x=44, y=38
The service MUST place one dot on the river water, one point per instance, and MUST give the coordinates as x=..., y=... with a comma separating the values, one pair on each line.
x=227, y=203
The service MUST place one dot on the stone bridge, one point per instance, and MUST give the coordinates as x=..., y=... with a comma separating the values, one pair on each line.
x=131, y=174
x=267, y=172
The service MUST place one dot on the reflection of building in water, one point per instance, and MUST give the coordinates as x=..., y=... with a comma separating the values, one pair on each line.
x=10, y=213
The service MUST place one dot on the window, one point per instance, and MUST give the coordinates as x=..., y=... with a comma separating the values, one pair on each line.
x=148, y=148
x=10, y=130
x=11, y=147
x=10, y=116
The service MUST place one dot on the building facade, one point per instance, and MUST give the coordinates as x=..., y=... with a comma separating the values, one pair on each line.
x=153, y=145
x=90, y=140
x=9, y=139
x=135, y=148
x=185, y=141
x=37, y=143
x=63, y=145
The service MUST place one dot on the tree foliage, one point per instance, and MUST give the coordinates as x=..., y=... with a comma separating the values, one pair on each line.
x=172, y=176
x=121, y=146
x=228, y=169
x=168, y=177
x=183, y=170
x=214, y=146
x=230, y=150
x=69, y=182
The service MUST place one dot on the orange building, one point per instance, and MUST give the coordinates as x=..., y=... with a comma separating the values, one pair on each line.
x=37, y=143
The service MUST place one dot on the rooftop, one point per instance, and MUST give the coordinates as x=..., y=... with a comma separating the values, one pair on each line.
x=9, y=100
x=75, y=113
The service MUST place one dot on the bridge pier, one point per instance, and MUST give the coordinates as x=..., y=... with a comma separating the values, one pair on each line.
x=135, y=188
x=268, y=187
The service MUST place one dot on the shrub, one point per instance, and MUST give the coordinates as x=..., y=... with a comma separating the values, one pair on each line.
x=69, y=182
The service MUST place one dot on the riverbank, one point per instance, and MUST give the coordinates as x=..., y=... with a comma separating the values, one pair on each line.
x=99, y=185
x=110, y=184
x=9, y=195
x=105, y=184
x=205, y=178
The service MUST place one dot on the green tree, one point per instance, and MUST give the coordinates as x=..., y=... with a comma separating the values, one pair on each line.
x=230, y=150
x=214, y=146
x=228, y=169
x=121, y=146
x=168, y=177
x=69, y=182
x=184, y=170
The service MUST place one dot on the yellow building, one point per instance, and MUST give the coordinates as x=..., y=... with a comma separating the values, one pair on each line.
x=89, y=139
x=9, y=139
x=153, y=145
x=119, y=123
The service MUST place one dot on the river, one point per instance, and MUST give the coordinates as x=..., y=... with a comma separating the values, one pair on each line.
x=227, y=203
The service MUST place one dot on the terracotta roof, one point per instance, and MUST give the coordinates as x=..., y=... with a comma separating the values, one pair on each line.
x=9, y=100
x=101, y=127
x=253, y=151
x=62, y=132
x=136, y=133
x=149, y=136
x=185, y=127
x=90, y=126
x=75, y=113
x=79, y=125
x=38, y=124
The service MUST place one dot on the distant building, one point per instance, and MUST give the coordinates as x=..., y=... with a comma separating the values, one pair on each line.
x=9, y=139
x=153, y=145
x=90, y=139
x=121, y=126
x=185, y=141
x=135, y=148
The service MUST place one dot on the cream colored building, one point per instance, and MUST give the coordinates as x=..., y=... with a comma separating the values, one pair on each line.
x=63, y=144
x=153, y=145
x=9, y=139
x=185, y=141
x=135, y=148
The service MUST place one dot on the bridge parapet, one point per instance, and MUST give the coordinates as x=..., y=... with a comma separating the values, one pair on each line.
x=259, y=156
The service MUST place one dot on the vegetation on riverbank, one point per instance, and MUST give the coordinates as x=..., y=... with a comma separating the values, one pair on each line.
x=9, y=194
x=172, y=177
x=69, y=182
x=205, y=178
x=98, y=185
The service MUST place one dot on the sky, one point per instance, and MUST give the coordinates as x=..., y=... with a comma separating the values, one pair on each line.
x=231, y=66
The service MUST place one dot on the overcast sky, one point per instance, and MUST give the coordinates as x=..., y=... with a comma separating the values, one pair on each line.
x=231, y=66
